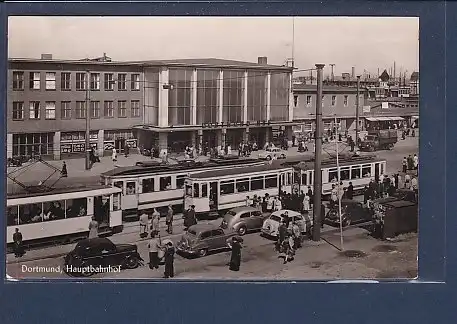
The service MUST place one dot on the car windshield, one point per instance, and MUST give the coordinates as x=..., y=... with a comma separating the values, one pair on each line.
x=191, y=232
x=370, y=138
x=230, y=213
x=275, y=218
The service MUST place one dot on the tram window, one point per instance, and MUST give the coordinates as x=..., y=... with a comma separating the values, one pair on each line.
x=227, y=187
x=196, y=190
x=148, y=185
x=116, y=201
x=366, y=171
x=165, y=183
x=76, y=207
x=30, y=213
x=242, y=185
x=180, y=181
x=204, y=190
x=12, y=216
x=53, y=210
x=271, y=182
x=289, y=178
x=130, y=188
x=333, y=175
x=256, y=183
x=355, y=172
x=119, y=184
x=344, y=174
x=189, y=190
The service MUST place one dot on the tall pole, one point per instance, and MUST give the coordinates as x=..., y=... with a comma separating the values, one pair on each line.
x=339, y=183
x=357, y=108
x=318, y=159
x=333, y=76
x=87, y=121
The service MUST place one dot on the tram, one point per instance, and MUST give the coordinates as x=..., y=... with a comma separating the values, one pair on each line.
x=214, y=192
x=63, y=215
x=156, y=185
x=358, y=170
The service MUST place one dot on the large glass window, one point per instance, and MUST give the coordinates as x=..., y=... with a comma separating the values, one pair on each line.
x=233, y=96
x=242, y=185
x=26, y=144
x=256, y=183
x=227, y=187
x=207, y=96
x=279, y=92
x=151, y=96
x=148, y=185
x=179, y=97
x=257, y=92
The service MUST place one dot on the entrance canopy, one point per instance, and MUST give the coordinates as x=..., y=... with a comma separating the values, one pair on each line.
x=374, y=119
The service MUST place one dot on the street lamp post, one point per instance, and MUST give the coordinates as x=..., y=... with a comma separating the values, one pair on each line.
x=88, y=148
x=337, y=126
x=357, y=113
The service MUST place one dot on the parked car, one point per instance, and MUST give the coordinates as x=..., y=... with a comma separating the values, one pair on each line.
x=203, y=238
x=352, y=212
x=243, y=219
x=400, y=194
x=270, y=227
x=93, y=255
x=272, y=151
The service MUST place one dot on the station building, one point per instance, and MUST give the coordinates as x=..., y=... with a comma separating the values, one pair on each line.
x=165, y=104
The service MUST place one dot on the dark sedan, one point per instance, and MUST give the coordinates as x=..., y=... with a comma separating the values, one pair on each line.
x=352, y=213
x=98, y=255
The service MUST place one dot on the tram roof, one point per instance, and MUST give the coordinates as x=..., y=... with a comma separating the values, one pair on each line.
x=75, y=189
x=277, y=165
x=344, y=161
x=181, y=166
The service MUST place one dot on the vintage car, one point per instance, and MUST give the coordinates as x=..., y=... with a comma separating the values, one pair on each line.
x=271, y=152
x=270, y=227
x=352, y=213
x=203, y=238
x=400, y=194
x=93, y=255
x=243, y=219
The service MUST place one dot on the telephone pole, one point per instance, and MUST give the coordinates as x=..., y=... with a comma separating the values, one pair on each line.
x=357, y=113
x=87, y=120
x=333, y=76
x=318, y=159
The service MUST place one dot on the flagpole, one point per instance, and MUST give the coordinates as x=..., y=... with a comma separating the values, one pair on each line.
x=339, y=186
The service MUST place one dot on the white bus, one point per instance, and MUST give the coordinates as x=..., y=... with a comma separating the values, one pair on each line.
x=214, y=192
x=63, y=215
x=159, y=185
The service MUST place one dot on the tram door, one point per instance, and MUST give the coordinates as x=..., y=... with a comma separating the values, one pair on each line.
x=376, y=171
x=130, y=195
x=102, y=209
x=213, y=195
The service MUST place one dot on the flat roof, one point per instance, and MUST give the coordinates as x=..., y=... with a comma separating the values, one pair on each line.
x=56, y=191
x=277, y=165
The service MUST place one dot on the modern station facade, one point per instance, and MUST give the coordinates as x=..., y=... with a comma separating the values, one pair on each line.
x=162, y=104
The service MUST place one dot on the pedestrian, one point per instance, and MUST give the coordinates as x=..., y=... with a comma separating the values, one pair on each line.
x=190, y=217
x=64, y=171
x=286, y=219
x=282, y=231
x=144, y=220
x=169, y=220
x=235, y=259
x=248, y=202
x=306, y=206
x=289, y=249
x=404, y=164
x=154, y=246
x=169, y=261
x=93, y=228
x=350, y=191
x=366, y=196
x=296, y=235
x=126, y=150
x=277, y=204
x=410, y=162
x=414, y=185
x=407, y=181
x=333, y=196
x=155, y=222
x=416, y=161
x=270, y=203
x=322, y=215
x=396, y=177
x=18, y=244
x=164, y=157
x=114, y=155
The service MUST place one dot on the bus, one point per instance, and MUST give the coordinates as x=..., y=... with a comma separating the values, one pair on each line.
x=214, y=192
x=63, y=215
x=156, y=185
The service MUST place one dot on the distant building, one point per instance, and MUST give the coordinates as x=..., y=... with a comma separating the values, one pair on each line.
x=414, y=83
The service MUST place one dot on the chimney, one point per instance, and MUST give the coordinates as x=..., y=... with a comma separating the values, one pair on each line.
x=46, y=56
x=262, y=60
x=353, y=72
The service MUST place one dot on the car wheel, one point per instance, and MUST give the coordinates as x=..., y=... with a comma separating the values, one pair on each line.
x=242, y=230
x=202, y=252
x=131, y=262
x=268, y=158
x=85, y=270
x=283, y=156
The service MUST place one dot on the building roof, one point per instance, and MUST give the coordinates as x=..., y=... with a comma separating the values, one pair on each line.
x=302, y=88
x=384, y=76
x=414, y=76
x=392, y=111
x=203, y=62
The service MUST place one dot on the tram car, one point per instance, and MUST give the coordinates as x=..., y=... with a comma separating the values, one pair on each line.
x=358, y=170
x=63, y=215
x=214, y=192
x=156, y=185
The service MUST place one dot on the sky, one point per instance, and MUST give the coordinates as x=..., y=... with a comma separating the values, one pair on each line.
x=366, y=43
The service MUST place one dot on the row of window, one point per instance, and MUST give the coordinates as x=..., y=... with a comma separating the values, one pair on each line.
x=148, y=185
x=309, y=100
x=81, y=81
x=246, y=185
x=66, y=111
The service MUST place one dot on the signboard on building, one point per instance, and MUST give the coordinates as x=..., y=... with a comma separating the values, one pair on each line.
x=234, y=124
x=366, y=109
x=385, y=105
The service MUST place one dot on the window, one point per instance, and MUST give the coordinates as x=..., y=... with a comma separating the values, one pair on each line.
x=366, y=171
x=188, y=190
x=27, y=144
x=196, y=190
x=95, y=109
x=245, y=215
x=180, y=179
x=76, y=207
x=80, y=109
x=207, y=96
x=279, y=96
x=179, y=97
x=257, y=95
x=295, y=101
x=65, y=81
x=35, y=78
x=80, y=81
x=218, y=232
x=18, y=80
x=344, y=173
x=130, y=188
x=345, y=101
x=308, y=100
x=119, y=184
x=233, y=96
x=135, y=108
x=34, y=110
x=65, y=110
x=242, y=185
x=50, y=80
x=227, y=187
x=333, y=175
x=135, y=84
x=333, y=100
x=122, y=81
x=148, y=185
x=165, y=183
x=18, y=110
x=30, y=213
x=204, y=190
x=122, y=108
x=256, y=183
x=12, y=216
x=109, y=109
x=95, y=81
x=109, y=81
x=50, y=112
x=117, y=201
x=205, y=235
x=271, y=182
x=355, y=172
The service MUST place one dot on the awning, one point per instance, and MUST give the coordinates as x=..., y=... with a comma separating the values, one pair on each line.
x=372, y=119
x=414, y=117
x=396, y=118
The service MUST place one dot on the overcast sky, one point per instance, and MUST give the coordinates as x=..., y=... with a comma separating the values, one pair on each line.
x=365, y=43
